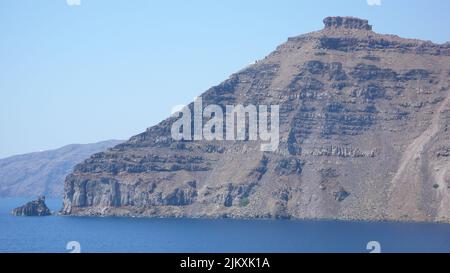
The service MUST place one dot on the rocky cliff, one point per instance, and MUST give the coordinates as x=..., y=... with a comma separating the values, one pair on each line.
x=33, y=208
x=364, y=122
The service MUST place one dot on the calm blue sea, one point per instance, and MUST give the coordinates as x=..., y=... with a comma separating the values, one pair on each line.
x=51, y=234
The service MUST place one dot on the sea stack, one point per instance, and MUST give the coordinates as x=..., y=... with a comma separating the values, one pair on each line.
x=33, y=208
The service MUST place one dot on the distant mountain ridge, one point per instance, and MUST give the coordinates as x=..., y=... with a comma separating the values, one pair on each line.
x=43, y=173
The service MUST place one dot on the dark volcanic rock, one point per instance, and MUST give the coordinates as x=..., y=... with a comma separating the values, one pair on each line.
x=289, y=166
x=341, y=195
x=363, y=72
x=346, y=22
x=33, y=208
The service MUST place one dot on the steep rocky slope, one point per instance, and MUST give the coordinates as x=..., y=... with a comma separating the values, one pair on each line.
x=43, y=173
x=364, y=121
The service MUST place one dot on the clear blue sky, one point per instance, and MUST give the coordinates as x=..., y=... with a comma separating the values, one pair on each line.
x=110, y=69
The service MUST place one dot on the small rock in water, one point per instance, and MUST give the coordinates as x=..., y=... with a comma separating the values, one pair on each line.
x=33, y=208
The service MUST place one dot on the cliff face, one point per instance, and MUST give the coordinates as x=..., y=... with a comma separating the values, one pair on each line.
x=33, y=208
x=364, y=135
